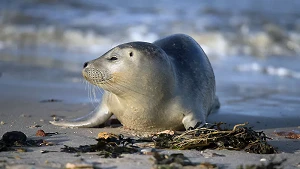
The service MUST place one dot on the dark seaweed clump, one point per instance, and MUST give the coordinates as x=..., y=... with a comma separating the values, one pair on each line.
x=239, y=138
x=177, y=160
x=111, y=147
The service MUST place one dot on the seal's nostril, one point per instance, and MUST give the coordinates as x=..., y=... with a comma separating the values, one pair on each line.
x=85, y=64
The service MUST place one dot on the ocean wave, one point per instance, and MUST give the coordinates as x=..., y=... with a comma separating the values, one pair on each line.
x=214, y=43
x=269, y=69
x=92, y=27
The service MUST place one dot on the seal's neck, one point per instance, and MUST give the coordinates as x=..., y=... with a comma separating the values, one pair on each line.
x=146, y=93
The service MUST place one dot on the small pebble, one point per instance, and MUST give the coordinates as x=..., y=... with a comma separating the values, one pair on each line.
x=148, y=151
x=207, y=154
x=17, y=157
x=48, y=143
x=79, y=164
x=21, y=150
x=207, y=165
x=263, y=160
x=40, y=133
x=35, y=126
x=2, y=122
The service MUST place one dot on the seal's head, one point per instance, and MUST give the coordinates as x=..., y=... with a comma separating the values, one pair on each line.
x=138, y=67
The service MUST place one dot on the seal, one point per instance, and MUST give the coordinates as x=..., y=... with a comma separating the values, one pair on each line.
x=167, y=84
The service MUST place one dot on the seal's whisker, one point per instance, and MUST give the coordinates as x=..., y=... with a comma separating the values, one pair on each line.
x=87, y=87
x=113, y=86
x=127, y=83
x=130, y=89
x=124, y=83
x=100, y=90
x=89, y=92
x=83, y=80
x=85, y=83
x=96, y=89
x=123, y=89
x=93, y=95
x=118, y=87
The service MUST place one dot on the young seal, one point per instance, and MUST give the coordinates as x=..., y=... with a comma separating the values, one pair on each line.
x=167, y=84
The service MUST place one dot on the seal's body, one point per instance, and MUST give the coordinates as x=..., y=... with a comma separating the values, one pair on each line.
x=167, y=84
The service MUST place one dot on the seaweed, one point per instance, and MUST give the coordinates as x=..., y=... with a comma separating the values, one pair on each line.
x=177, y=160
x=106, y=147
x=214, y=137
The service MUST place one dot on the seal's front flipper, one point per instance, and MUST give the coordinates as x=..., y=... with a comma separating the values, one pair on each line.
x=191, y=121
x=99, y=116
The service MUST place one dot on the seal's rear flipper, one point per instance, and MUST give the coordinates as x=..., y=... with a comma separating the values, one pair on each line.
x=93, y=119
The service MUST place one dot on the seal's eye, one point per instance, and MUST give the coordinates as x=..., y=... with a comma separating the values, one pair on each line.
x=113, y=58
x=131, y=54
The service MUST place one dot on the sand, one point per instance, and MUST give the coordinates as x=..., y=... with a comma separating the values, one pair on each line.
x=267, y=107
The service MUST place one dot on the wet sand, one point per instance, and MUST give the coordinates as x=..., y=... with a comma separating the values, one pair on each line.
x=268, y=103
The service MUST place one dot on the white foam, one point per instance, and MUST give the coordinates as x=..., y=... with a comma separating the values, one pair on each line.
x=141, y=33
x=270, y=70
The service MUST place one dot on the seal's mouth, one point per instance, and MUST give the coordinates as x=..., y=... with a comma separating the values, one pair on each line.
x=95, y=76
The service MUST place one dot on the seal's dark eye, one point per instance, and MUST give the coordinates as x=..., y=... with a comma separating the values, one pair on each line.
x=131, y=54
x=113, y=58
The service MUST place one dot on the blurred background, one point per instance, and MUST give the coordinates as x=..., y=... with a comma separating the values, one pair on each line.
x=254, y=45
x=79, y=30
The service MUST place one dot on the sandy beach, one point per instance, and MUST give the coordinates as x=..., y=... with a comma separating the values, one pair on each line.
x=267, y=108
